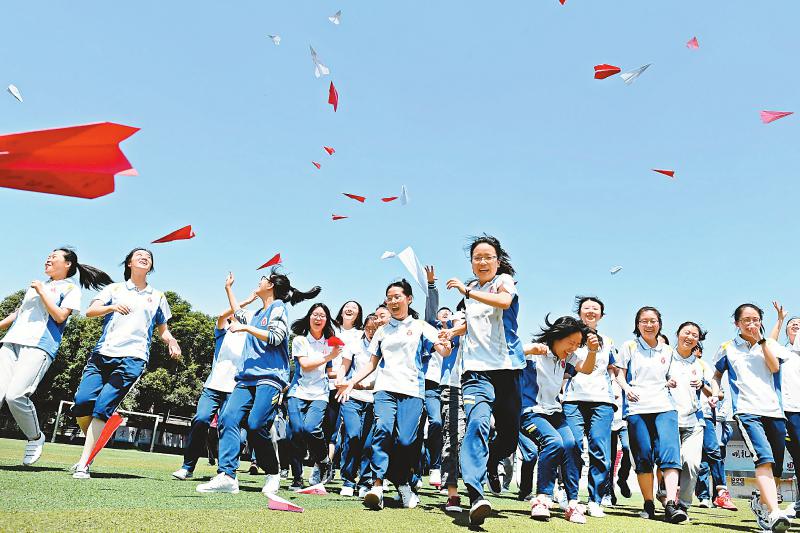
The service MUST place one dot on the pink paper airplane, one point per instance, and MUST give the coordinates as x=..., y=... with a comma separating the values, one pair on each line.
x=318, y=489
x=693, y=44
x=276, y=503
x=316, y=165
x=772, y=116
x=670, y=173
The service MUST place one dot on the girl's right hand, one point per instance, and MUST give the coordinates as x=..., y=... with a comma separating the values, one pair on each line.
x=120, y=308
x=229, y=280
x=632, y=396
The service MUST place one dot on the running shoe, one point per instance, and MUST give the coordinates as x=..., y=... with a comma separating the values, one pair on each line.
x=453, y=505
x=624, y=489
x=220, y=483
x=778, y=521
x=407, y=496
x=674, y=513
x=272, y=484
x=540, y=509
x=760, y=512
x=575, y=514
x=374, y=498
x=594, y=510
x=724, y=500
x=478, y=512
x=347, y=491
x=648, y=510
x=182, y=474
x=33, y=450
x=435, y=478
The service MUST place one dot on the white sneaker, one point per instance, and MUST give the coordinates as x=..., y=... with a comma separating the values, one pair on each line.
x=315, y=477
x=362, y=491
x=778, y=521
x=346, y=491
x=182, y=474
x=81, y=472
x=790, y=511
x=435, y=478
x=407, y=496
x=606, y=501
x=374, y=498
x=705, y=504
x=33, y=450
x=272, y=484
x=560, y=496
x=594, y=510
x=220, y=483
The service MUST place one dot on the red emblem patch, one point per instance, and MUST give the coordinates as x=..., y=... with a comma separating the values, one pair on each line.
x=563, y=364
x=663, y=360
x=264, y=321
x=409, y=333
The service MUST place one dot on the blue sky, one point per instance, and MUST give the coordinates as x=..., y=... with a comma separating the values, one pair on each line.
x=490, y=116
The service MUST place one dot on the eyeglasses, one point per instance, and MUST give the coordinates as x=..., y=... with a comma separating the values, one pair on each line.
x=648, y=321
x=484, y=259
x=319, y=316
x=263, y=278
x=748, y=321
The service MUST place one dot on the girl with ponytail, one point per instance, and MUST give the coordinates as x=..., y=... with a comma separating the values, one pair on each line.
x=29, y=347
x=262, y=376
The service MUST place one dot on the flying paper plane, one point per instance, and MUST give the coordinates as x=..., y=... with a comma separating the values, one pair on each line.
x=338, y=217
x=330, y=150
x=276, y=39
x=693, y=44
x=403, y=195
x=412, y=265
x=316, y=165
x=615, y=269
x=276, y=503
x=389, y=199
x=772, y=116
x=15, y=92
x=319, y=68
x=563, y=2
x=355, y=197
x=336, y=18
x=276, y=259
x=333, y=97
x=670, y=173
x=630, y=76
x=177, y=235
x=603, y=71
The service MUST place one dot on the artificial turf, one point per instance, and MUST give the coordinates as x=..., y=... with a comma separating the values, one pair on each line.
x=133, y=490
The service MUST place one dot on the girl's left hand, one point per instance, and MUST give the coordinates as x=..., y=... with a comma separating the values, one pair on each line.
x=235, y=327
x=672, y=383
x=696, y=383
x=174, y=349
x=455, y=283
x=593, y=342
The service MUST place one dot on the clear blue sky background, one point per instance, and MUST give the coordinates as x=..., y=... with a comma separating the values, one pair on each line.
x=489, y=115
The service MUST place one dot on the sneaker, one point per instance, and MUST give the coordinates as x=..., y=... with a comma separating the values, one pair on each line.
x=624, y=489
x=297, y=484
x=540, y=510
x=453, y=505
x=560, y=496
x=33, y=450
x=760, y=512
x=778, y=521
x=575, y=514
x=594, y=510
x=724, y=501
x=362, y=491
x=494, y=482
x=253, y=470
x=418, y=484
x=435, y=478
x=74, y=467
x=790, y=511
x=674, y=513
x=314, y=479
x=705, y=504
x=182, y=474
x=374, y=498
x=606, y=501
x=524, y=496
x=613, y=499
x=479, y=511
x=272, y=484
x=648, y=510
x=347, y=491
x=81, y=472
x=220, y=483
x=325, y=472
x=407, y=496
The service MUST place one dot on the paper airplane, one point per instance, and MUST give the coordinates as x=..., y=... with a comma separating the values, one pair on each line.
x=319, y=68
x=330, y=150
x=388, y=255
x=355, y=197
x=630, y=76
x=276, y=39
x=615, y=269
x=114, y=421
x=129, y=172
x=177, y=235
x=332, y=341
x=316, y=165
x=15, y=92
x=389, y=198
x=693, y=44
x=772, y=116
x=336, y=18
x=670, y=173
x=333, y=97
x=403, y=195
x=338, y=217
x=603, y=71
x=319, y=488
x=276, y=259
x=412, y=265
x=276, y=503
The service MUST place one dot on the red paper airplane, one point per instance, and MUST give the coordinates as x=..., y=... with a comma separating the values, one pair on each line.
x=316, y=165
x=693, y=44
x=766, y=116
x=330, y=150
x=333, y=97
x=563, y=2
x=355, y=197
x=335, y=341
x=74, y=161
x=338, y=217
x=274, y=261
x=177, y=235
x=670, y=173
x=108, y=430
x=389, y=199
x=603, y=71
x=318, y=489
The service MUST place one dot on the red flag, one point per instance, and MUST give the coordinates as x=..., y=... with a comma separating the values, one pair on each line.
x=316, y=165
x=338, y=217
x=333, y=97
x=76, y=161
x=335, y=341
x=603, y=71
x=670, y=173
x=355, y=197
x=177, y=235
x=389, y=199
x=108, y=430
x=330, y=150
x=274, y=261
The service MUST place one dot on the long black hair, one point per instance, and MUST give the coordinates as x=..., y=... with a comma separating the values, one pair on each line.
x=89, y=277
x=284, y=291
x=639, y=314
x=358, y=323
x=302, y=326
x=737, y=313
x=405, y=286
x=127, y=273
x=503, y=258
x=561, y=328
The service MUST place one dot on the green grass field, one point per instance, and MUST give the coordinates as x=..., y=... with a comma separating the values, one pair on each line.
x=133, y=490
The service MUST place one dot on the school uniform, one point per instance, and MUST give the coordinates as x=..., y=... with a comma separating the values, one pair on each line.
x=308, y=401
x=333, y=421
x=453, y=418
x=756, y=399
x=653, y=420
x=715, y=435
x=544, y=422
x=399, y=394
x=357, y=419
x=589, y=410
x=529, y=454
x=263, y=374
x=432, y=413
x=790, y=390
x=121, y=354
x=29, y=348
x=228, y=351
x=492, y=360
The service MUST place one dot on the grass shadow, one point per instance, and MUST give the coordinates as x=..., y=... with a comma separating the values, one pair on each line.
x=118, y=475
x=23, y=468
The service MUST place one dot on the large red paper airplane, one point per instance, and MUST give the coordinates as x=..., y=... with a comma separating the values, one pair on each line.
x=276, y=259
x=333, y=97
x=108, y=430
x=177, y=235
x=76, y=161
x=603, y=71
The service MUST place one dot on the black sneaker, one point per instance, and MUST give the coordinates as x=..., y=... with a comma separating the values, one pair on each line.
x=624, y=489
x=297, y=484
x=673, y=513
x=325, y=472
x=253, y=469
x=495, y=484
x=648, y=510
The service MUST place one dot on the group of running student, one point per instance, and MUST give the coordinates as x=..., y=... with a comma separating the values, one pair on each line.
x=467, y=375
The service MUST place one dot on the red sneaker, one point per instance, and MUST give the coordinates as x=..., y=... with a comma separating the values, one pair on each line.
x=724, y=501
x=453, y=505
